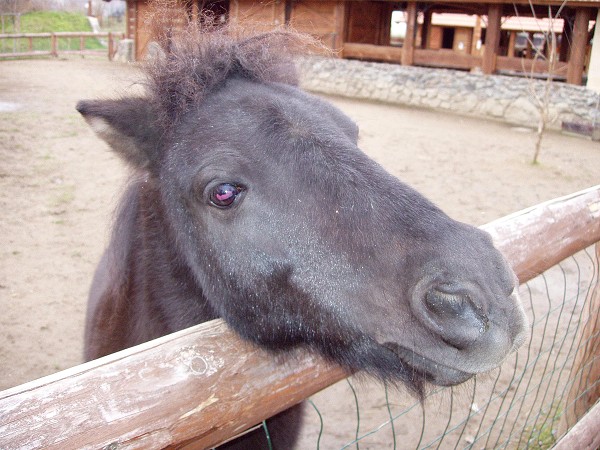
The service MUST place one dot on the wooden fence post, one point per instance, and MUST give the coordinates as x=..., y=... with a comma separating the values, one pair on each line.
x=585, y=374
x=110, y=46
x=53, y=45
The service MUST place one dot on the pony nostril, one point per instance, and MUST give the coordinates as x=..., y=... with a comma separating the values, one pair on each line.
x=459, y=321
x=444, y=303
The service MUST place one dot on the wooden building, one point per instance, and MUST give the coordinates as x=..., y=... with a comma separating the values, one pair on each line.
x=363, y=29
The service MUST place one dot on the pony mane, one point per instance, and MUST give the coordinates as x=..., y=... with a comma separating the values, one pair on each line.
x=195, y=57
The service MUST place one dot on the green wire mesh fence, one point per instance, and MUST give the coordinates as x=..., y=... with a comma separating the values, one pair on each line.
x=529, y=402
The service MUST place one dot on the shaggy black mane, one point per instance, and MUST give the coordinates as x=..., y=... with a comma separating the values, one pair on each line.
x=195, y=57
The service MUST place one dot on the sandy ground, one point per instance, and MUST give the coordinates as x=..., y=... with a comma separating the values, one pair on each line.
x=59, y=185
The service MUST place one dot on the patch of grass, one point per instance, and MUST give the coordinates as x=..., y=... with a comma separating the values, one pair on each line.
x=542, y=434
x=51, y=21
x=47, y=22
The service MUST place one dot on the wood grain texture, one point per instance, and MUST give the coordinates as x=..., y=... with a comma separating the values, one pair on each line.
x=537, y=238
x=200, y=386
x=584, y=435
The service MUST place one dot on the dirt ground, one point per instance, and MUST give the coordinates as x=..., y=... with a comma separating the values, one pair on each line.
x=59, y=185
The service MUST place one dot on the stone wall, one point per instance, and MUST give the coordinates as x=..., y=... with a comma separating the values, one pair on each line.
x=511, y=99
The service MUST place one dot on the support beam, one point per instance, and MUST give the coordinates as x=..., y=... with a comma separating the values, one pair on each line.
x=476, y=49
x=511, y=43
x=579, y=46
x=408, y=49
x=492, y=39
x=567, y=37
x=593, y=75
x=340, y=17
x=425, y=28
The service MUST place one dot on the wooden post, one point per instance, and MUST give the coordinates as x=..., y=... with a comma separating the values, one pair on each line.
x=53, y=45
x=593, y=70
x=340, y=17
x=512, y=37
x=492, y=39
x=425, y=28
x=579, y=46
x=111, y=45
x=567, y=37
x=586, y=365
x=408, y=49
x=476, y=37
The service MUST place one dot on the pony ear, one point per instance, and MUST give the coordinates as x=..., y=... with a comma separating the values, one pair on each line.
x=128, y=125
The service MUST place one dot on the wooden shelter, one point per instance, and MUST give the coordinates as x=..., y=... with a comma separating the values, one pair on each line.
x=362, y=29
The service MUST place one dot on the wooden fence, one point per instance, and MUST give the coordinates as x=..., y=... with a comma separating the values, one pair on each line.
x=52, y=48
x=202, y=386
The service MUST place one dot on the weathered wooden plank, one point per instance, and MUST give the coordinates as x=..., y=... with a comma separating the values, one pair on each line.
x=527, y=66
x=58, y=33
x=315, y=17
x=373, y=52
x=445, y=58
x=537, y=238
x=203, y=385
x=585, y=434
x=24, y=35
x=26, y=54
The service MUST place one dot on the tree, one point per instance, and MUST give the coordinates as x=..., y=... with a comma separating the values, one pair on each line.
x=542, y=95
x=14, y=6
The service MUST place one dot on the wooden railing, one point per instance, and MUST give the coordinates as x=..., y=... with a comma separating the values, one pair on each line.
x=204, y=385
x=447, y=58
x=52, y=48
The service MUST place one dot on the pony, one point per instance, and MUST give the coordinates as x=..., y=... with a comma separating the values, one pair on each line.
x=250, y=200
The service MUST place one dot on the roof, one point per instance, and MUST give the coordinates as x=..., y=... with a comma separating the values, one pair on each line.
x=513, y=23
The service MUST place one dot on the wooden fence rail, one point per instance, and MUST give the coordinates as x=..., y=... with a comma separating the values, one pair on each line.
x=53, y=48
x=203, y=385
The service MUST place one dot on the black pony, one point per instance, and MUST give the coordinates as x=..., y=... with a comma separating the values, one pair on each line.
x=250, y=200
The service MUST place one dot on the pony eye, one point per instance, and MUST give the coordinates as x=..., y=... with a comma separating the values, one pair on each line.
x=225, y=194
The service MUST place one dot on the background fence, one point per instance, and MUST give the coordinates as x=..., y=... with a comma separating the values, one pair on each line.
x=203, y=385
x=15, y=45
